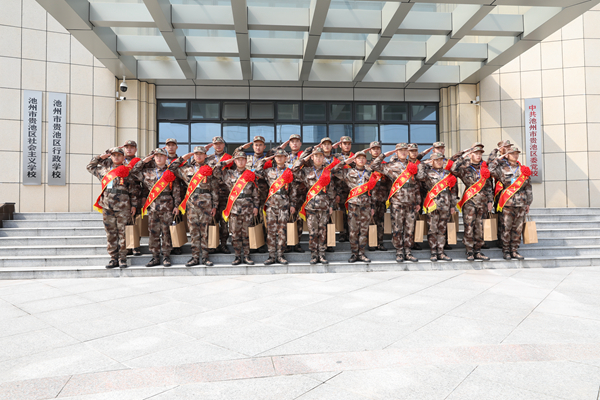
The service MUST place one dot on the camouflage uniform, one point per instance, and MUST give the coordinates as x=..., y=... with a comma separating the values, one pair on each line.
x=359, y=207
x=492, y=157
x=445, y=201
x=474, y=209
x=223, y=193
x=317, y=210
x=160, y=211
x=300, y=191
x=513, y=214
x=240, y=218
x=116, y=203
x=342, y=190
x=402, y=205
x=277, y=209
x=379, y=195
x=200, y=204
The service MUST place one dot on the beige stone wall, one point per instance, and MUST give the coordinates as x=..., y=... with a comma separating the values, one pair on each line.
x=564, y=71
x=37, y=53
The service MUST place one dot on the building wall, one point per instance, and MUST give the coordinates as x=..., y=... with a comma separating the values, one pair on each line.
x=37, y=53
x=564, y=71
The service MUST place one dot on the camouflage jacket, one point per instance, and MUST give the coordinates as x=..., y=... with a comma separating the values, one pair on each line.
x=409, y=194
x=206, y=194
x=284, y=197
x=299, y=189
x=382, y=190
x=447, y=199
x=212, y=160
x=505, y=173
x=309, y=175
x=125, y=192
x=341, y=187
x=353, y=177
x=252, y=162
x=469, y=174
x=169, y=198
x=248, y=199
x=139, y=202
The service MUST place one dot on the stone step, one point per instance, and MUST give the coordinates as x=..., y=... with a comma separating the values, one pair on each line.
x=546, y=233
x=98, y=271
x=53, y=223
x=64, y=232
x=564, y=210
x=57, y=216
x=565, y=217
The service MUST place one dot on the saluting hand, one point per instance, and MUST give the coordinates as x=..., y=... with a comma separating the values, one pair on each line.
x=335, y=146
x=148, y=158
x=246, y=145
x=284, y=144
x=188, y=156
x=105, y=156
x=389, y=153
x=228, y=161
x=208, y=146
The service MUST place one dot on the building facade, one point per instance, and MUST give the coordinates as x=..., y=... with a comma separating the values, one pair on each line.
x=37, y=53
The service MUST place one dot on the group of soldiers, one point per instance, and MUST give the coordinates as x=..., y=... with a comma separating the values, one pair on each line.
x=236, y=191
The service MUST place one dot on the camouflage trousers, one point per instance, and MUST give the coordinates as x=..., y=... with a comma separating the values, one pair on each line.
x=296, y=216
x=114, y=225
x=277, y=219
x=317, y=230
x=342, y=206
x=403, y=228
x=239, y=224
x=473, y=226
x=379, y=219
x=160, y=234
x=513, y=219
x=359, y=217
x=223, y=226
x=438, y=224
x=198, y=220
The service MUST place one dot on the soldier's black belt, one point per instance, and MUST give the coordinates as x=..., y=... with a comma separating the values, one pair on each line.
x=116, y=191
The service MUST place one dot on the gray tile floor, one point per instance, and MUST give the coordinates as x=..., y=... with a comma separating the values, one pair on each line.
x=491, y=334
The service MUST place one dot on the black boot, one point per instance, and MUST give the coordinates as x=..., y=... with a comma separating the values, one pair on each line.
x=282, y=260
x=443, y=257
x=409, y=257
x=113, y=263
x=222, y=248
x=314, y=259
x=270, y=260
x=433, y=258
x=248, y=261
x=207, y=262
x=193, y=261
x=237, y=260
x=322, y=259
x=298, y=248
x=330, y=250
x=381, y=247
x=470, y=257
x=516, y=256
x=353, y=258
x=399, y=258
x=506, y=255
x=167, y=261
x=416, y=246
x=480, y=256
x=123, y=263
x=363, y=258
x=176, y=250
x=137, y=251
x=153, y=262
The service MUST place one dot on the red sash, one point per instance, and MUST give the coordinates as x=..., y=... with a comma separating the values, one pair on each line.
x=225, y=157
x=398, y=183
x=334, y=162
x=117, y=172
x=471, y=192
x=283, y=181
x=321, y=184
x=514, y=188
x=165, y=180
x=364, y=188
x=198, y=178
x=246, y=177
x=429, y=203
x=498, y=189
x=346, y=166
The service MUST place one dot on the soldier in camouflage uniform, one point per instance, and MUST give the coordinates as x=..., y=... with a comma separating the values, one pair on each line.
x=359, y=207
x=320, y=207
x=415, y=157
x=202, y=204
x=341, y=188
x=244, y=207
x=379, y=195
x=468, y=168
x=130, y=150
x=445, y=202
x=277, y=206
x=162, y=209
x=116, y=202
x=517, y=207
x=404, y=204
x=220, y=155
x=502, y=148
x=299, y=188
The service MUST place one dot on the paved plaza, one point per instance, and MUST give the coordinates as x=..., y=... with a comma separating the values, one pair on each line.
x=489, y=334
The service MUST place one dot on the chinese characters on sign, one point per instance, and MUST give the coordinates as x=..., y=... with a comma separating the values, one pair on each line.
x=55, y=139
x=32, y=137
x=534, y=139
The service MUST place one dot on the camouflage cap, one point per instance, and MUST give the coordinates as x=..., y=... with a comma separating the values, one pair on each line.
x=239, y=154
x=504, y=143
x=437, y=156
x=478, y=146
x=325, y=139
x=199, y=149
x=218, y=139
x=346, y=139
x=413, y=146
x=375, y=144
x=280, y=152
x=171, y=140
x=439, y=144
x=295, y=136
x=513, y=149
x=258, y=139
x=401, y=146
x=361, y=154
x=318, y=150
x=116, y=150
x=160, y=151
x=130, y=143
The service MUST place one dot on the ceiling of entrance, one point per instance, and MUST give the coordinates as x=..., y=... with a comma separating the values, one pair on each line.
x=405, y=44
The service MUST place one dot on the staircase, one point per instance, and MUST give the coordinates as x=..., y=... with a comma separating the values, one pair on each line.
x=61, y=245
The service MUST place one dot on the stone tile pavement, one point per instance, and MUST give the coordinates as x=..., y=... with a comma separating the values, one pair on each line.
x=489, y=334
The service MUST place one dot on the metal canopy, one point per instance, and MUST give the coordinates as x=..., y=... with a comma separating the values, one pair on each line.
x=405, y=44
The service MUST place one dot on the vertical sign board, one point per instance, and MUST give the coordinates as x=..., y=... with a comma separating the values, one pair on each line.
x=32, y=137
x=534, y=136
x=55, y=139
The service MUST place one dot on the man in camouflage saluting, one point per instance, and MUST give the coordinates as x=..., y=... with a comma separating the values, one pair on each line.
x=220, y=155
x=379, y=195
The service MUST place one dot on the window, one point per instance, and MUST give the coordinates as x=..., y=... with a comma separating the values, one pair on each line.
x=423, y=112
x=314, y=133
x=423, y=133
x=235, y=111
x=366, y=112
x=235, y=133
x=394, y=112
x=337, y=131
x=284, y=131
x=288, y=111
x=262, y=111
x=173, y=130
x=340, y=112
x=205, y=110
x=203, y=132
x=365, y=133
x=314, y=112
x=172, y=110
x=265, y=130
x=394, y=134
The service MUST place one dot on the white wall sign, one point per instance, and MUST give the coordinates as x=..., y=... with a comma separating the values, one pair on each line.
x=32, y=137
x=56, y=138
x=534, y=136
